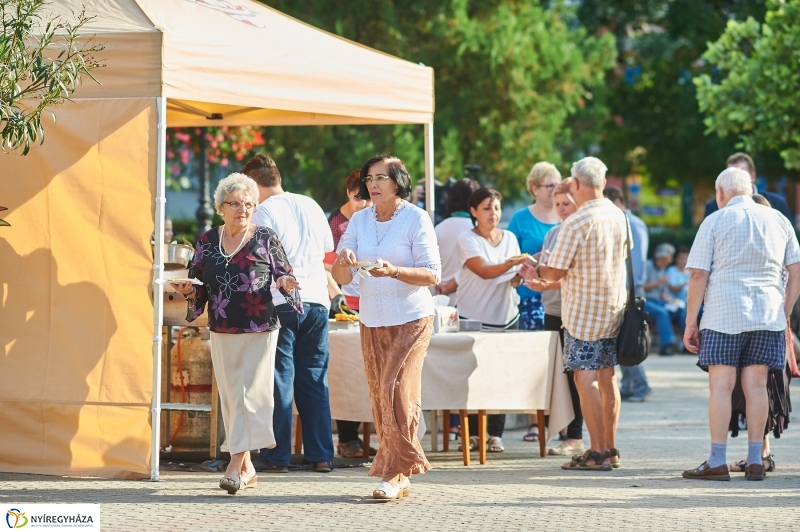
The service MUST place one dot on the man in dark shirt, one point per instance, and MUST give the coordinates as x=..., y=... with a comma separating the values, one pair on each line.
x=745, y=162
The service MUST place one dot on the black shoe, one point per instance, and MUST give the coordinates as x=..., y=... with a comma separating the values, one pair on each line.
x=668, y=350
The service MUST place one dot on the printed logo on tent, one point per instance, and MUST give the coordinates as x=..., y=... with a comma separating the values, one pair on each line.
x=16, y=518
x=235, y=11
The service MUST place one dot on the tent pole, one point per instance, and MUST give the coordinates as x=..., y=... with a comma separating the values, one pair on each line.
x=158, y=288
x=430, y=193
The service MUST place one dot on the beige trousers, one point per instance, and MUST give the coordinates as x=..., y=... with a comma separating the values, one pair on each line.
x=393, y=358
x=244, y=365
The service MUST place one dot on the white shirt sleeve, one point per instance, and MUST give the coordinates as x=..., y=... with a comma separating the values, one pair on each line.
x=468, y=247
x=702, y=252
x=321, y=227
x=425, y=247
x=792, y=254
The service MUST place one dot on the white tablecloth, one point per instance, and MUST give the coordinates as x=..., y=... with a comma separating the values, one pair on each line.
x=502, y=372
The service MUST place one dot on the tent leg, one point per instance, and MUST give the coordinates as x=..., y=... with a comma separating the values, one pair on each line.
x=430, y=198
x=158, y=289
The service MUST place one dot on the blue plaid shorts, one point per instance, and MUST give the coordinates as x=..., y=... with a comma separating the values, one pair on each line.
x=749, y=348
x=589, y=355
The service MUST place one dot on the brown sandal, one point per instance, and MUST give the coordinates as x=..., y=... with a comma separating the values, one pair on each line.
x=579, y=462
x=613, y=453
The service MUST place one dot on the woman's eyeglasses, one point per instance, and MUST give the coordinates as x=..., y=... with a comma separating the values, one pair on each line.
x=237, y=205
x=377, y=178
x=550, y=188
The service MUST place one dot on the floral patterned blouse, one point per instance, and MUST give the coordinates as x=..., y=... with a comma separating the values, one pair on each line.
x=238, y=292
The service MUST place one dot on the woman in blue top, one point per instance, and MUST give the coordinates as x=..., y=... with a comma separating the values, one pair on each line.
x=530, y=225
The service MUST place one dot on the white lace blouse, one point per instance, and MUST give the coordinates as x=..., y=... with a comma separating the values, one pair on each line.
x=407, y=240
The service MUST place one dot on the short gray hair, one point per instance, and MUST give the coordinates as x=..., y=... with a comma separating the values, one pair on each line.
x=735, y=181
x=664, y=250
x=233, y=184
x=590, y=171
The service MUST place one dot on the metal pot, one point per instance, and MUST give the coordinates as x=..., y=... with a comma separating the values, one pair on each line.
x=177, y=256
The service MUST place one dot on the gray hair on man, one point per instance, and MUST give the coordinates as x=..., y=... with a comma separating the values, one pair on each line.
x=235, y=184
x=590, y=171
x=735, y=182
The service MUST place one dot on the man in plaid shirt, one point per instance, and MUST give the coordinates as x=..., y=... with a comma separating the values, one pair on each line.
x=737, y=262
x=589, y=259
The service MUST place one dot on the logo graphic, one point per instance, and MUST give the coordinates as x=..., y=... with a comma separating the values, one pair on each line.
x=236, y=12
x=18, y=518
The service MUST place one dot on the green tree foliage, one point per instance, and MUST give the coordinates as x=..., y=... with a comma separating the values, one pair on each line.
x=41, y=65
x=758, y=95
x=654, y=121
x=508, y=74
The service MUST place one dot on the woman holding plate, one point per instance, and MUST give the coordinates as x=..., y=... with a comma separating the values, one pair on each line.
x=490, y=259
x=398, y=241
x=236, y=263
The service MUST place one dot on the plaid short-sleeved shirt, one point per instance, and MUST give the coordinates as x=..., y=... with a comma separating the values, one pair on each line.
x=744, y=247
x=591, y=247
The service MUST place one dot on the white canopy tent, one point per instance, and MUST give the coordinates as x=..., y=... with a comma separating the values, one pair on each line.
x=168, y=63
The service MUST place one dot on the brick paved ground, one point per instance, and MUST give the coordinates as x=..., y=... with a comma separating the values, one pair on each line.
x=515, y=491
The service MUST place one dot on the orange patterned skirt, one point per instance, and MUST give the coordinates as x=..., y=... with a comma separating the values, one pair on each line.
x=393, y=358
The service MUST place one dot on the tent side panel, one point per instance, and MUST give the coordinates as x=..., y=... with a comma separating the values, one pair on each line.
x=75, y=314
x=84, y=440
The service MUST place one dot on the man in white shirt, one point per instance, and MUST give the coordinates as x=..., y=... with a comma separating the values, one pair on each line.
x=737, y=263
x=301, y=358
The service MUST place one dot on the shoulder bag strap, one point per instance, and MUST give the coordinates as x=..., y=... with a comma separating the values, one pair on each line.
x=629, y=261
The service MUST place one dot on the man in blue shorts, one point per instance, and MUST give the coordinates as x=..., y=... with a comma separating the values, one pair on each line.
x=737, y=265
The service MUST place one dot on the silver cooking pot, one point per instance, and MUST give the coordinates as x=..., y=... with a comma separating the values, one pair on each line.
x=177, y=256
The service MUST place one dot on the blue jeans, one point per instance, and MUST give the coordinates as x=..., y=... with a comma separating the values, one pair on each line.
x=634, y=382
x=663, y=318
x=301, y=370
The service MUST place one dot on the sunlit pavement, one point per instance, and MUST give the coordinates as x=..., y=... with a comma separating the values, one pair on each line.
x=515, y=490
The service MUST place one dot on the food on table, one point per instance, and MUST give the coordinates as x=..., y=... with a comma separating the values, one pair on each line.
x=345, y=317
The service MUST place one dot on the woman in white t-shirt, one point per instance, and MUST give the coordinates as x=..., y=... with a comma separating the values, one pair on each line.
x=447, y=233
x=490, y=260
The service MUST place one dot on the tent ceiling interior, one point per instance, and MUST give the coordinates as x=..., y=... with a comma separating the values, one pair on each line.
x=235, y=62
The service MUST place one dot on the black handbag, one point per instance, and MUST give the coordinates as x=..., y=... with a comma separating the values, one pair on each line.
x=633, y=340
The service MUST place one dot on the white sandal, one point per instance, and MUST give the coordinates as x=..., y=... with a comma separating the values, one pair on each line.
x=385, y=490
x=249, y=480
x=494, y=445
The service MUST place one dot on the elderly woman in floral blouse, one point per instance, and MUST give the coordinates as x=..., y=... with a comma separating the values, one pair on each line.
x=236, y=263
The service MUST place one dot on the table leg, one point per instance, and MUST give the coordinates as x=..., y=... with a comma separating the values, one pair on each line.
x=542, y=433
x=482, y=436
x=464, y=435
x=298, y=436
x=446, y=430
x=434, y=431
x=367, y=431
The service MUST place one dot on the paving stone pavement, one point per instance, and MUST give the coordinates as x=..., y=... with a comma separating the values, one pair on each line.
x=515, y=490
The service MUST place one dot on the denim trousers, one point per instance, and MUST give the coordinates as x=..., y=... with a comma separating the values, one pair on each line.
x=663, y=318
x=301, y=372
x=634, y=382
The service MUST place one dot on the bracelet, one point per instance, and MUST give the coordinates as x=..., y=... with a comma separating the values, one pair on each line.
x=537, y=271
x=396, y=273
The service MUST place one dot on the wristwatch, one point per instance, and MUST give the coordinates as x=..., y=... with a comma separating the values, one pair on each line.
x=539, y=275
x=396, y=273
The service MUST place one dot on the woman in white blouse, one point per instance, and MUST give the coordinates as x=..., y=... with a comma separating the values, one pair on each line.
x=490, y=259
x=396, y=314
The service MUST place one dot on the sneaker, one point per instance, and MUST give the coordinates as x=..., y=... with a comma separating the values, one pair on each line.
x=668, y=350
x=566, y=449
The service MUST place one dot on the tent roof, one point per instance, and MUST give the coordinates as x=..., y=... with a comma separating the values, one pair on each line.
x=233, y=62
